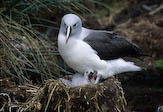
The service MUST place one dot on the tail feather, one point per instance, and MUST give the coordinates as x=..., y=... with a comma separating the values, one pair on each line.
x=119, y=66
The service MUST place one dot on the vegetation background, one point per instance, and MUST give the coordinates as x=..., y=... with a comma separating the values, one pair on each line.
x=28, y=38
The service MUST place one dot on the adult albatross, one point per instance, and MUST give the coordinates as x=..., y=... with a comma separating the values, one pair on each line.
x=86, y=50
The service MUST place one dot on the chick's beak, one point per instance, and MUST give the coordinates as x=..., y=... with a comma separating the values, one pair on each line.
x=68, y=32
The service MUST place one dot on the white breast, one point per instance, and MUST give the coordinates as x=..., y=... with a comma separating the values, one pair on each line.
x=79, y=55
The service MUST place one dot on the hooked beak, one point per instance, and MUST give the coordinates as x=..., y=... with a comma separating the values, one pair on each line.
x=68, y=33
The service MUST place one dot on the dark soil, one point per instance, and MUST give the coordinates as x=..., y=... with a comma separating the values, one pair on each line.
x=143, y=90
x=143, y=96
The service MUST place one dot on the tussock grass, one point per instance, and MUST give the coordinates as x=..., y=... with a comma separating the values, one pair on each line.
x=24, y=54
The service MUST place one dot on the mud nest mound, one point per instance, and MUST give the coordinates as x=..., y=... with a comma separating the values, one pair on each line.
x=54, y=96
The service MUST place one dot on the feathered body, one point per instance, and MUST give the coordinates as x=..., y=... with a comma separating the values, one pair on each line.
x=89, y=50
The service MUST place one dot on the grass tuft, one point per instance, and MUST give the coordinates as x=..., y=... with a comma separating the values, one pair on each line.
x=26, y=55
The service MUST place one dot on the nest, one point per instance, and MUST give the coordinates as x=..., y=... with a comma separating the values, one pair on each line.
x=54, y=96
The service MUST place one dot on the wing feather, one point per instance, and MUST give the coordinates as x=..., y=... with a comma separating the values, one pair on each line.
x=110, y=46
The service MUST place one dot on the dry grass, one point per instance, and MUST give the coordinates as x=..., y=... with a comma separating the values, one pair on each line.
x=25, y=54
x=55, y=96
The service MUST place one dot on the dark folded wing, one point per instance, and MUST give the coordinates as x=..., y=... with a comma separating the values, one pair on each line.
x=110, y=46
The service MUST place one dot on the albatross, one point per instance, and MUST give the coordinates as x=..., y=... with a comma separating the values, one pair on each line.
x=87, y=50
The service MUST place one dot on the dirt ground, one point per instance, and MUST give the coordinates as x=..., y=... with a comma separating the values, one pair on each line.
x=143, y=90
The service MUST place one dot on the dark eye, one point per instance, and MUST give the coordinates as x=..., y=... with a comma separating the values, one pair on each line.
x=75, y=25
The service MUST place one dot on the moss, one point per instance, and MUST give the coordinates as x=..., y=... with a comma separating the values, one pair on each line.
x=159, y=66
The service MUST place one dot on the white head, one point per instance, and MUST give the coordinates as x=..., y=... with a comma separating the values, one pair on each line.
x=71, y=25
